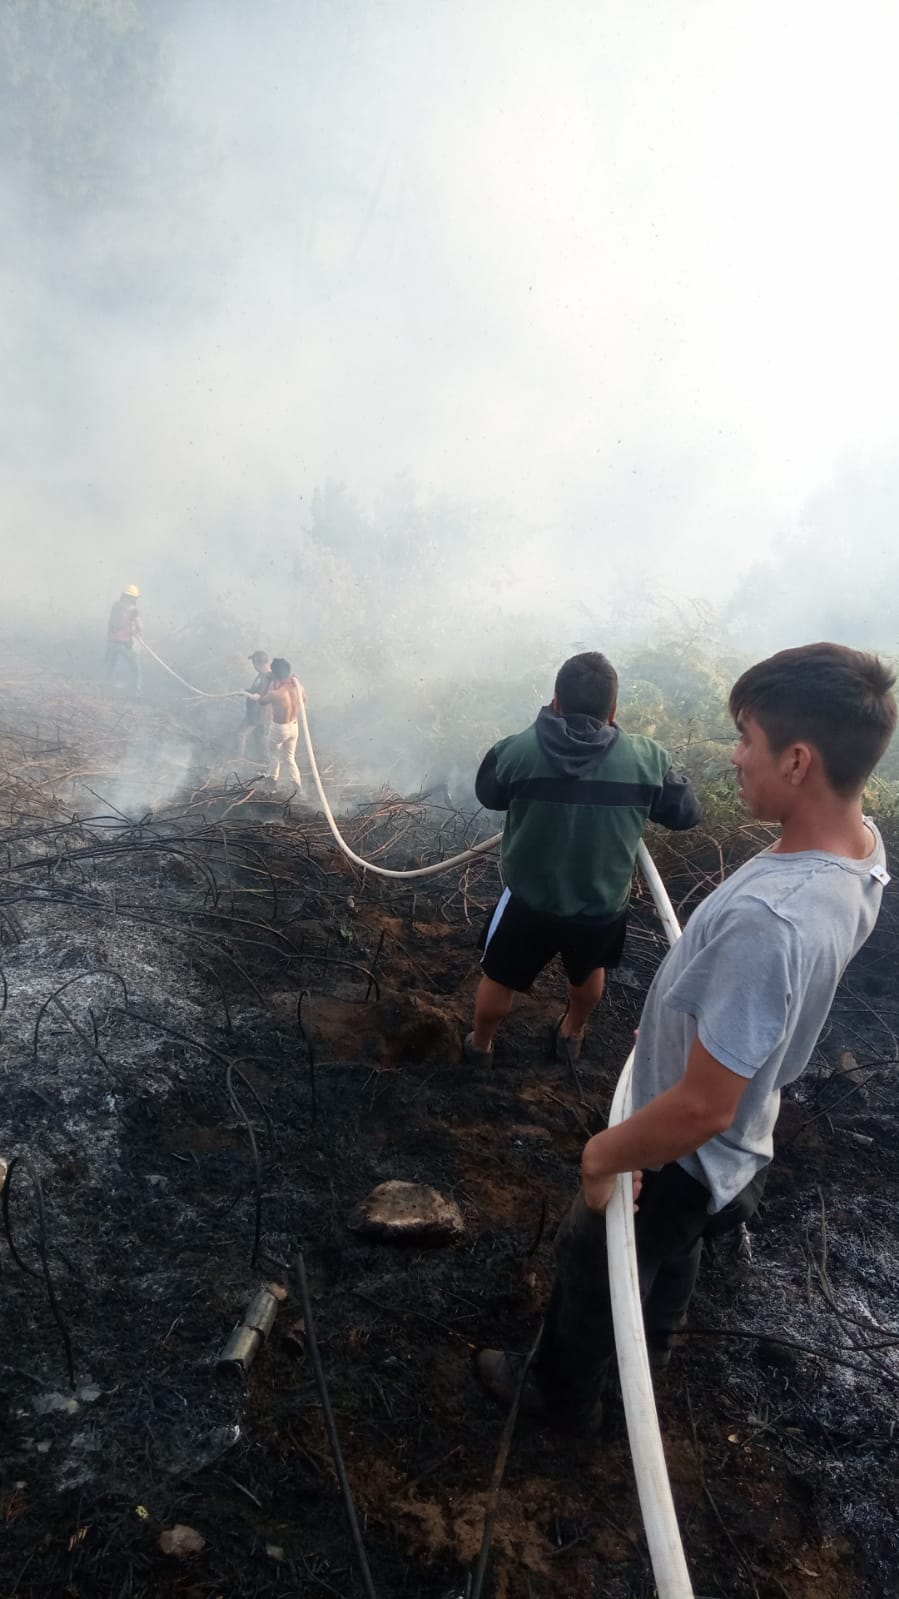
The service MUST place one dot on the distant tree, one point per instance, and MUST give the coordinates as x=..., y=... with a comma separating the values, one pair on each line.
x=394, y=589
x=80, y=81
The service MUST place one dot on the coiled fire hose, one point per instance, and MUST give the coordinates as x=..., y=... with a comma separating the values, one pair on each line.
x=666, y=1553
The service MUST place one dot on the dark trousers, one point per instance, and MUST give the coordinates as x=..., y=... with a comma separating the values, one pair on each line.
x=127, y=655
x=256, y=739
x=578, y=1342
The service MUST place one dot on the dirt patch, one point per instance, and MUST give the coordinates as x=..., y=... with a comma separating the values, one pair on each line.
x=390, y=1031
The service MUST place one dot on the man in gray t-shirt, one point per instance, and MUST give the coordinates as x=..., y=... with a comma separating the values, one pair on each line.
x=754, y=978
x=733, y=1014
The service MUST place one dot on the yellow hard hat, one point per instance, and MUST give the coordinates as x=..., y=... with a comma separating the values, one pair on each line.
x=132, y=591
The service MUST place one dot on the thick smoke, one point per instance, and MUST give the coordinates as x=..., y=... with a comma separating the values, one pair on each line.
x=423, y=339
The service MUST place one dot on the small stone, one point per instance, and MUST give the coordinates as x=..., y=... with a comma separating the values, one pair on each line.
x=55, y=1404
x=181, y=1541
x=398, y=1212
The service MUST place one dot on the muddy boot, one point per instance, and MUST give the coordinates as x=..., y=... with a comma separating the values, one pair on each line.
x=660, y=1343
x=659, y=1356
x=500, y=1374
x=474, y=1056
x=565, y=1049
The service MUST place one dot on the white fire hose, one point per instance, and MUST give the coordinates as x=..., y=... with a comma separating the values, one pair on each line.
x=381, y=871
x=666, y=1552
x=368, y=866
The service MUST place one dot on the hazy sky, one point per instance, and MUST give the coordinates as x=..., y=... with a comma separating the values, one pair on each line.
x=624, y=273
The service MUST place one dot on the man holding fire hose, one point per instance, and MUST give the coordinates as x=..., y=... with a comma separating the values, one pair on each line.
x=732, y=1016
x=578, y=792
x=283, y=695
x=123, y=638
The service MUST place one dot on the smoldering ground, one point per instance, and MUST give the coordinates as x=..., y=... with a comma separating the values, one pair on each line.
x=212, y=1024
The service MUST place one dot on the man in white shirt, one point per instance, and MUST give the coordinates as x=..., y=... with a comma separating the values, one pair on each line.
x=733, y=1014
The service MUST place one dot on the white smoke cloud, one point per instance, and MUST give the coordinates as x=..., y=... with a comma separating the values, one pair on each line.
x=624, y=274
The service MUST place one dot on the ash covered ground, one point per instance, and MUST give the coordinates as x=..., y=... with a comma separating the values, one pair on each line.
x=160, y=918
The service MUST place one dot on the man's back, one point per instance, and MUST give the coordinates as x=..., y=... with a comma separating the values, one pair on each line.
x=579, y=794
x=292, y=692
x=122, y=621
x=284, y=699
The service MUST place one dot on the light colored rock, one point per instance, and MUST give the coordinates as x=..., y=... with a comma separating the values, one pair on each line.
x=398, y=1212
x=55, y=1404
x=181, y=1541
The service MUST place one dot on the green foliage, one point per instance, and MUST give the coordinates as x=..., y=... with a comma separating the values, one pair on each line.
x=398, y=592
x=683, y=705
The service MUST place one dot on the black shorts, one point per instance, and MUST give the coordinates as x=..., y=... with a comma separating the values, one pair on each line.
x=516, y=943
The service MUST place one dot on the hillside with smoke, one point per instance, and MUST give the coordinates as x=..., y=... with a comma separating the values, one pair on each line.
x=579, y=315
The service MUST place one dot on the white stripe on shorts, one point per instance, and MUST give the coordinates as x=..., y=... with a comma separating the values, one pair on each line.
x=495, y=920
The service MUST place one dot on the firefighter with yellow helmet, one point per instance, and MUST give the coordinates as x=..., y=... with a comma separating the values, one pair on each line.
x=123, y=639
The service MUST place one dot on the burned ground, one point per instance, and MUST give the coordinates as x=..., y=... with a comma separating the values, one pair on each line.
x=187, y=931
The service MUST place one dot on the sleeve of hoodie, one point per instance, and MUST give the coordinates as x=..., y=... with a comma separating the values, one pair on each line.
x=489, y=787
x=675, y=804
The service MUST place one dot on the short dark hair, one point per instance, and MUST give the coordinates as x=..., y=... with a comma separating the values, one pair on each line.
x=587, y=685
x=280, y=667
x=838, y=699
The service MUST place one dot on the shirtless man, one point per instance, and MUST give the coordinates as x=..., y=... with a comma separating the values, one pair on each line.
x=283, y=695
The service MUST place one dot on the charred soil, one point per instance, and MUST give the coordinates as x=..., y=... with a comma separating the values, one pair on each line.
x=213, y=1025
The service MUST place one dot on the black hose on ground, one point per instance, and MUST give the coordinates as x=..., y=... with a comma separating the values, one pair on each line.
x=499, y=1471
x=17, y=1160
x=321, y=1382
x=234, y=1070
x=309, y=1041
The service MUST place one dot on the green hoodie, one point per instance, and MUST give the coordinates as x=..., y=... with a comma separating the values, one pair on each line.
x=578, y=795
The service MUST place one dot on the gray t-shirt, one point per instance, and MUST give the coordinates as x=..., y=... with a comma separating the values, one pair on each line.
x=754, y=975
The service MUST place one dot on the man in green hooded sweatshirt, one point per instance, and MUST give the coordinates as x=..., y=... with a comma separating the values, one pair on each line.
x=578, y=791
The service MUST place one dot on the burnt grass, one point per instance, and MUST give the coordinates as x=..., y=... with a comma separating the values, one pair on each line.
x=187, y=929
